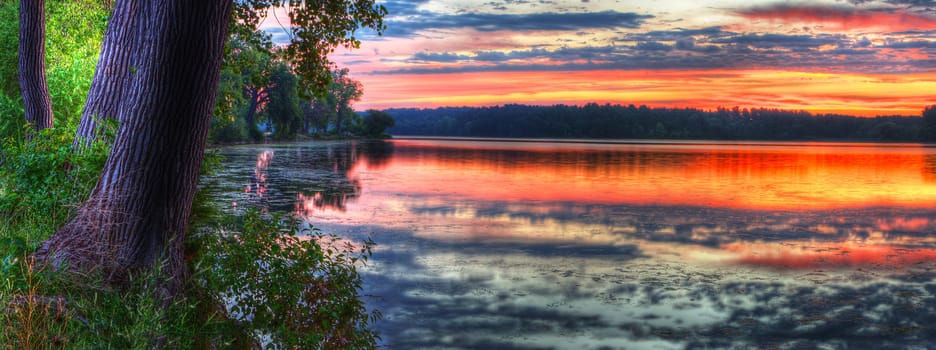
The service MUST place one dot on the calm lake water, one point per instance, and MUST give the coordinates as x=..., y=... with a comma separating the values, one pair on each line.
x=563, y=245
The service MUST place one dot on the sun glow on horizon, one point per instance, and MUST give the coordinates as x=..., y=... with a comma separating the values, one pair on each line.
x=868, y=58
x=818, y=93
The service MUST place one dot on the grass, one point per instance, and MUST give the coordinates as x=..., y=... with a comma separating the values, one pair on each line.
x=50, y=310
x=41, y=182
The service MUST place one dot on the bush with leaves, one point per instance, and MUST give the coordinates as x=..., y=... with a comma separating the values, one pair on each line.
x=295, y=290
x=44, y=175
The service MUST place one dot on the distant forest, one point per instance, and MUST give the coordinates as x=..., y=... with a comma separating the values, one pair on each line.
x=632, y=122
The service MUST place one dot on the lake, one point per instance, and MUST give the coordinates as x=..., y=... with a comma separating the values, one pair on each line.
x=527, y=244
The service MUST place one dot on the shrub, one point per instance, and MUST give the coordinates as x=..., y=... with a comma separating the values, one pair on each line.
x=297, y=291
x=232, y=131
x=44, y=175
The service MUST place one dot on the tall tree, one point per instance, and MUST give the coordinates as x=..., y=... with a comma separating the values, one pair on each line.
x=244, y=89
x=255, y=62
x=32, y=78
x=283, y=109
x=335, y=104
x=137, y=214
x=138, y=211
x=110, y=75
x=346, y=91
x=321, y=110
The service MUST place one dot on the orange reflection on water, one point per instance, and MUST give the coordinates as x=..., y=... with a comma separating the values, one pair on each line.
x=816, y=205
x=777, y=176
x=807, y=255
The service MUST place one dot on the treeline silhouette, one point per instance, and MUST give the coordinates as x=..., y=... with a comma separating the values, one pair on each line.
x=622, y=122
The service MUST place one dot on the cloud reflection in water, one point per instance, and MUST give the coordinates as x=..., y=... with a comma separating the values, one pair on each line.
x=542, y=246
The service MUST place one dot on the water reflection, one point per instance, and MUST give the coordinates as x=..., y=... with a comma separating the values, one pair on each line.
x=588, y=246
x=343, y=161
x=929, y=168
x=258, y=184
x=780, y=176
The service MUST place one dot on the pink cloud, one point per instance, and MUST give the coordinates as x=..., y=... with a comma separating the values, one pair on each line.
x=841, y=17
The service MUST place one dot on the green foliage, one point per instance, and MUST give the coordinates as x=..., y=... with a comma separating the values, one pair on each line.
x=245, y=75
x=44, y=175
x=12, y=119
x=9, y=30
x=247, y=64
x=334, y=108
x=297, y=291
x=375, y=122
x=301, y=291
x=283, y=108
x=318, y=27
x=229, y=131
x=306, y=296
x=319, y=112
x=40, y=180
x=74, y=34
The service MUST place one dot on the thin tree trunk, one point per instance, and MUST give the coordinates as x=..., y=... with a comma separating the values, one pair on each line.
x=32, y=77
x=339, y=119
x=110, y=75
x=254, y=95
x=138, y=212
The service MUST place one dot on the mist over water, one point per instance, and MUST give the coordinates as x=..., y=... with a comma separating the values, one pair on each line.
x=564, y=245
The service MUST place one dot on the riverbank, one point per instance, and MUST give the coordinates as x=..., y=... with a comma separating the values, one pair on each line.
x=674, y=141
x=298, y=139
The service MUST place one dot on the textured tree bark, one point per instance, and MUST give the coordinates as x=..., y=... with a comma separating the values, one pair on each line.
x=32, y=77
x=137, y=214
x=111, y=74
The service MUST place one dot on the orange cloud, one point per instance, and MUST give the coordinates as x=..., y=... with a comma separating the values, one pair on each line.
x=854, y=94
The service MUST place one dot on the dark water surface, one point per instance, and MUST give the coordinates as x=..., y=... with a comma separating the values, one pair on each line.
x=541, y=245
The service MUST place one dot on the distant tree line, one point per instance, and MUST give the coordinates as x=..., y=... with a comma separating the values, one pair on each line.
x=626, y=122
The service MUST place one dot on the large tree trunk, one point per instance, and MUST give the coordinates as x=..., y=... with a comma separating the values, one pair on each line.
x=32, y=77
x=110, y=75
x=137, y=214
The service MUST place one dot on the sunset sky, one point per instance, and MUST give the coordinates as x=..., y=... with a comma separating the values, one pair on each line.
x=861, y=57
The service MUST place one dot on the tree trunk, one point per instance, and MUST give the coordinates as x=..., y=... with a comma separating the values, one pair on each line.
x=32, y=77
x=258, y=97
x=339, y=118
x=137, y=215
x=254, y=95
x=111, y=74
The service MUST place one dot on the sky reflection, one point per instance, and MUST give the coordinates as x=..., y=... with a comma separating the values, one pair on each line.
x=589, y=246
